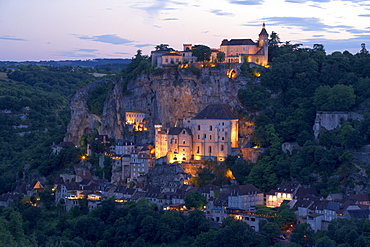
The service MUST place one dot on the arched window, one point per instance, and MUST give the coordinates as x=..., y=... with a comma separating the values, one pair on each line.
x=210, y=149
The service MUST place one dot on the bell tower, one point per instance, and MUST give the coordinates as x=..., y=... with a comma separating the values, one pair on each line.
x=263, y=37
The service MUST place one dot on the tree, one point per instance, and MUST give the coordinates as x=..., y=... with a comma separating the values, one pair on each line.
x=325, y=242
x=195, y=200
x=341, y=97
x=302, y=234
x=363, y=50
x=163, y=47
x=201, y=52
x=220, y=56
x=196, y=223
x=237, y=233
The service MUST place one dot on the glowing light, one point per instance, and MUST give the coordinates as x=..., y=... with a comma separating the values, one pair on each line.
x=229, y=174
x=256, y=73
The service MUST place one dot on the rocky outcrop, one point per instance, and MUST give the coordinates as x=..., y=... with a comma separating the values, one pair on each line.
x=332, y=120
x=169, y=98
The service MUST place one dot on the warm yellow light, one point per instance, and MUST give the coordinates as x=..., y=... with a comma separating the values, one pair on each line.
x=256, y=73
x=229, y=174
x=83, y=157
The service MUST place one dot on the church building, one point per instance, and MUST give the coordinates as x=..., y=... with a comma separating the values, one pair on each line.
x=210, y=135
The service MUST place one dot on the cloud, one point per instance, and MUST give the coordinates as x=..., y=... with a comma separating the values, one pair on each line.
x=157, y=6
x=87, y=50
x=122, y=53
x=304, y=1
x=364, y=15
x=6, y=37
x=220, y=12
x=246, y=2
x=352, y=45
x=170, y=19
x=108, y=38
x=305, y=23
x=144, y=45
x=73, y=54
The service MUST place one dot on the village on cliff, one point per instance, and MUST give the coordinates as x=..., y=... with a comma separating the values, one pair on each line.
x=162, y=172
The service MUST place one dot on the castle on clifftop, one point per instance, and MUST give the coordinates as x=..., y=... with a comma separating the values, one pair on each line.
x=235, y=50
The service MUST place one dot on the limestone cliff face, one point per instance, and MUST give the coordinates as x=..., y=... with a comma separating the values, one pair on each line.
x=169, y=98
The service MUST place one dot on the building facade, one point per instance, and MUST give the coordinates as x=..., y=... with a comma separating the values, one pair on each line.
x=210, y=135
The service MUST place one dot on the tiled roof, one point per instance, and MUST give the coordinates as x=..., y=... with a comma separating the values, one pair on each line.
x=359, y=197
x=360, y=213
x=245, y=190
x=177, y=130
x=216, y=111
x=238, y=42
x=263, y=31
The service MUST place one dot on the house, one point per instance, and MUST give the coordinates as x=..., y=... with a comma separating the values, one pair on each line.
x=315, y=221
x=245, y=197
x=285, y=191
x=136, y=120
x=124, y=147
x=216, y=207
x=361, y=199
x=246, y=50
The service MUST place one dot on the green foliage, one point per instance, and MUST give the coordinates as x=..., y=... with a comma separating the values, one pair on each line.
x=254, y=99
x=97, y=97
x=201, y=52
x=195, y=200
x=302, y=234
x=337, y=98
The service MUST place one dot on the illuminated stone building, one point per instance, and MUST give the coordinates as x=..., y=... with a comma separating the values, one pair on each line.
x=246, y=50
x=210, y=135
x=136, y=119
x=236, y=51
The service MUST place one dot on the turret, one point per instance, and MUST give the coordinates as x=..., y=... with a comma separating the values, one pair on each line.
x=263, y=37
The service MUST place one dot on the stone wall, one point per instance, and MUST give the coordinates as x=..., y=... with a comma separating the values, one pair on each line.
x=332, y=120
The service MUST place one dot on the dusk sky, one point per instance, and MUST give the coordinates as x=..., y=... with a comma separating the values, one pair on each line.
x=87, y=29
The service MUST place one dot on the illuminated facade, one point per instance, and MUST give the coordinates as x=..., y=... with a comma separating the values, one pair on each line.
x=246, y=50
x=210, y=135
x=136, y=119
x=236, y=51
x=285, y=191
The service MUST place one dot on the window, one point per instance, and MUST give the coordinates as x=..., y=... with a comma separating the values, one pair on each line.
x=204, y=136
x=210, y=149
x=183, y=142
x=223, y=123
x=198, y=127
x=222, y=138
x=175, y=141
x=210, y=137
x=222, y=147
x=198, y=149
x=210, y=127
x=198, y=137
